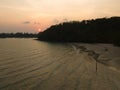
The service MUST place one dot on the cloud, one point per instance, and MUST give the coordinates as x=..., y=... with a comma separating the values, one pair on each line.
x=26, y=22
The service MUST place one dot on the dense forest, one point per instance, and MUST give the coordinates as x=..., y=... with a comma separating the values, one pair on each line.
x=101, y=30
x=17, y=35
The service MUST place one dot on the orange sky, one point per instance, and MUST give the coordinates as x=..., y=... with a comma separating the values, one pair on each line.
x=30, y=15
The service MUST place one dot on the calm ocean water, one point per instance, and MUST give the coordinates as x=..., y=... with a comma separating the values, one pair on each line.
x=25, y=63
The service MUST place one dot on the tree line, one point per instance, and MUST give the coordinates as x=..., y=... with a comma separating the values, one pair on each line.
x=100, y=30
x=18, y=35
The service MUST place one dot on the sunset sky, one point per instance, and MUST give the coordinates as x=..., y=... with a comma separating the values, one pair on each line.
x=36, y=15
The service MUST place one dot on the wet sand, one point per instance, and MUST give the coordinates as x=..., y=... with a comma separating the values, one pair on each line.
x=93, y=70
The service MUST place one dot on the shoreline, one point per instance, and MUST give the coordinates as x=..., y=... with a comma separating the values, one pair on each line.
x=101, y=56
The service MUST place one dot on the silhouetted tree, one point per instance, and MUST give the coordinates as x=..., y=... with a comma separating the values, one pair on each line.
x=101, y=30
x=18, y=35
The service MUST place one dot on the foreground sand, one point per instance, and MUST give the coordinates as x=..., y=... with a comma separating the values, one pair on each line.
x=97, y=67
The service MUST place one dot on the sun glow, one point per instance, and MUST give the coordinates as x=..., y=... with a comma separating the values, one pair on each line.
x=39, y=30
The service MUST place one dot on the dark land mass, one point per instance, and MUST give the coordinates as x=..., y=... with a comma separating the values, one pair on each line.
x=101, y=30
x=18, y=35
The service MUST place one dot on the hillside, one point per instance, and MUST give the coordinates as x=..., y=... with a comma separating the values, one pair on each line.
x=101, y=30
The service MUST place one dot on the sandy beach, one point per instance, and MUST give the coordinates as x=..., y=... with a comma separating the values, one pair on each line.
x=97, y=67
